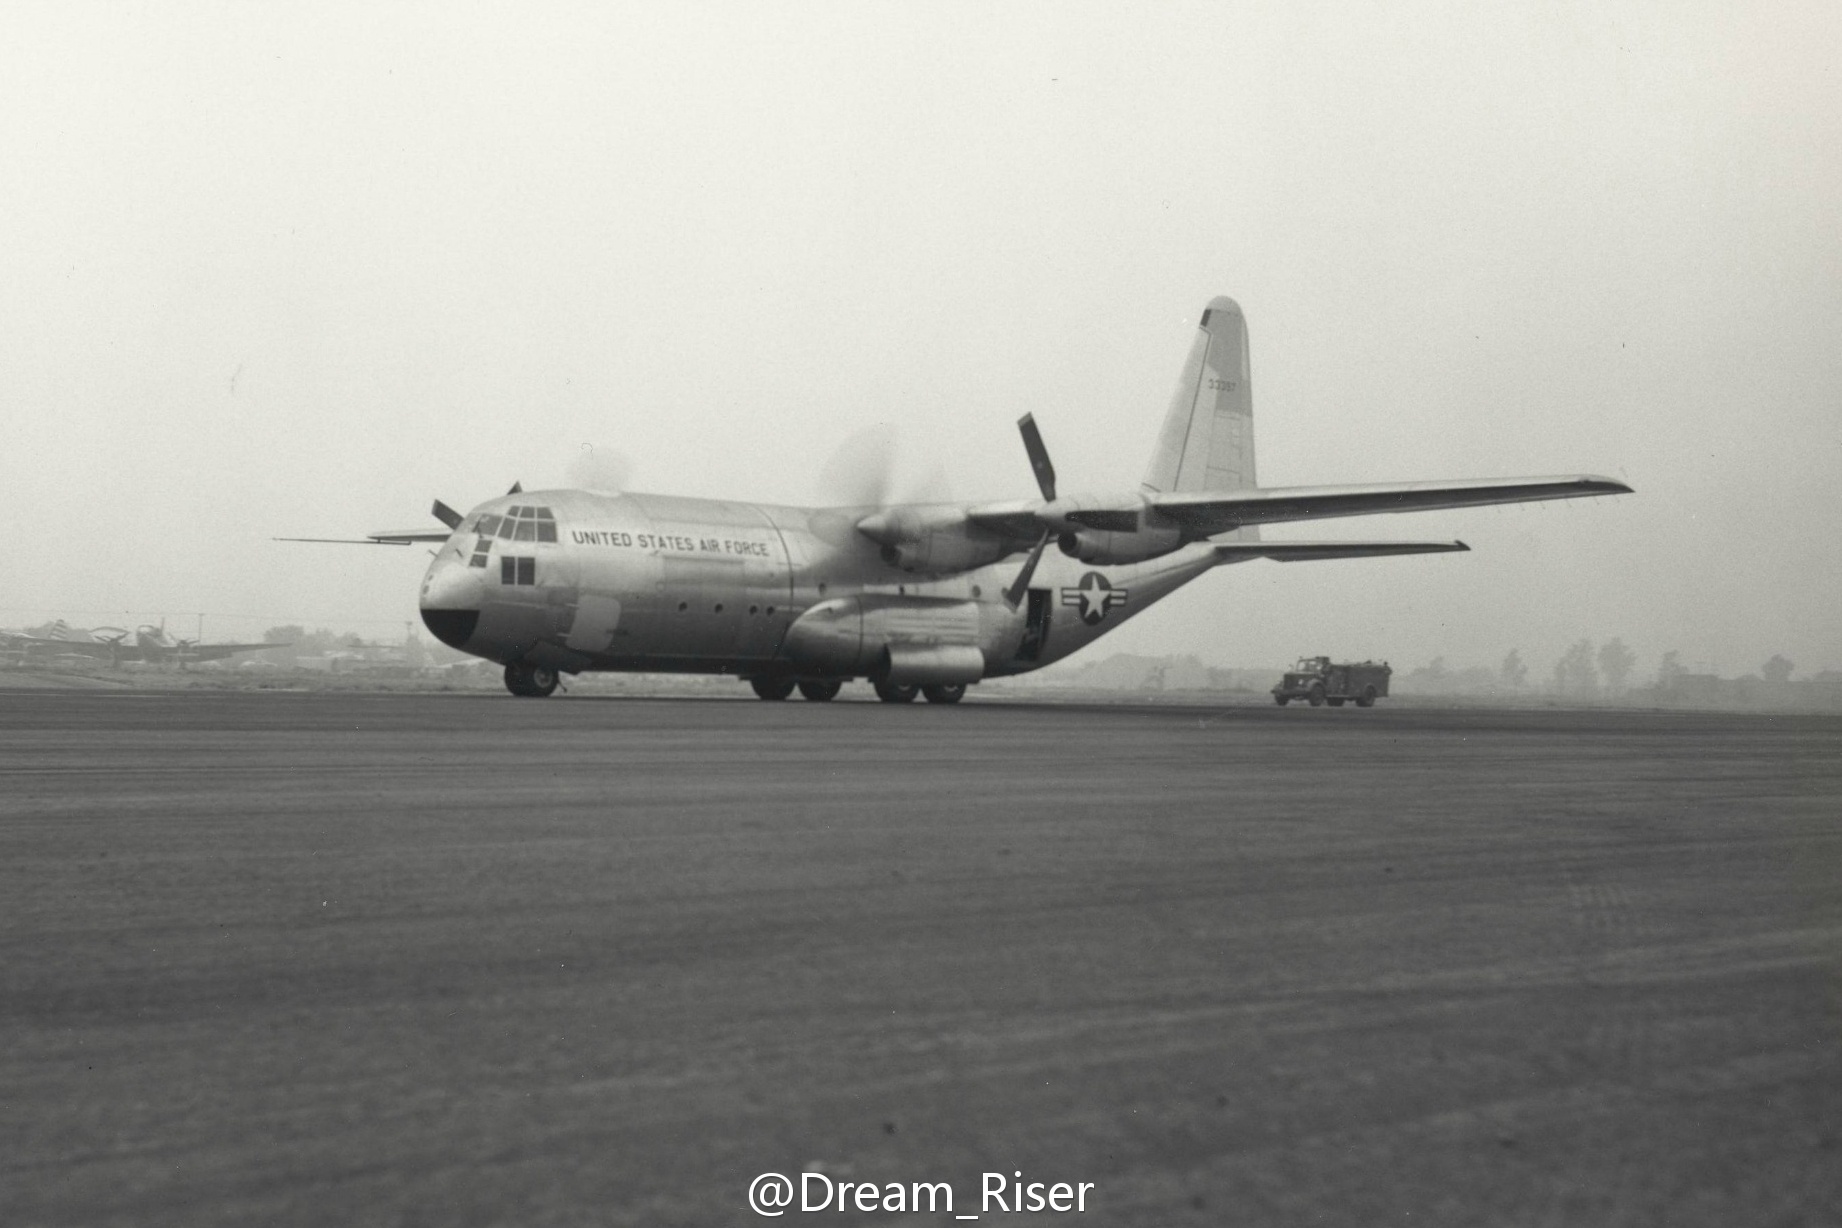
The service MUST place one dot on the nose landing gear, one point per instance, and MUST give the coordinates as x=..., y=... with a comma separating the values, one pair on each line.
x=529, y=681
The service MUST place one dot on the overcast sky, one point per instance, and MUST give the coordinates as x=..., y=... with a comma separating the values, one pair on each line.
x=300, y=269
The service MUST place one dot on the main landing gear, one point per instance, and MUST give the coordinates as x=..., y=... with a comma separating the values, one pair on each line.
x=824, y=690
x=529, y=681
x=772, y=688
x=895, y=693
x=818, y=690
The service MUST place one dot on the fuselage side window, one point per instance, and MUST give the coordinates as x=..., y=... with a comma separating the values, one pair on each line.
x=508, y=569
x=527, y=571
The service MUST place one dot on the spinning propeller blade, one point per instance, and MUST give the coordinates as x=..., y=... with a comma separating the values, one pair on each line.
x=1039, y=456
x=1014, y=594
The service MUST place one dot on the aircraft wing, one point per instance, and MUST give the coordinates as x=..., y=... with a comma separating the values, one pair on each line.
x=100, y=649
x=1016, y=519
x=217, y=652
x=386, y=537
x=400, y=537
x=1304, y=552
x=1206, y=513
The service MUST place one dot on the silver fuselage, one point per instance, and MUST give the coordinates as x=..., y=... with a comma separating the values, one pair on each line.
x=659, y=583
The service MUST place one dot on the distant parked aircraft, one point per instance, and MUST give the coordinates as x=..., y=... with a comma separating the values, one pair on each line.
x=111, y=645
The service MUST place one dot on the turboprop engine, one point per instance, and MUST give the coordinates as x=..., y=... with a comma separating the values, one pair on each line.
x=1105, y=546
x=932, y=539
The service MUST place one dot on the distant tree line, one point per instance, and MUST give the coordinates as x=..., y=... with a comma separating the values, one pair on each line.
x=1609, y=671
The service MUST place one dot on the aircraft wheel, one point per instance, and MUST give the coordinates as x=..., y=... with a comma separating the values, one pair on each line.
x=1317, y=696
x=772, y=688
x=891, y=693
x=820, y=692
x=1367, y=698
x=1337, y=702
x=529, y=681
x=945, y=694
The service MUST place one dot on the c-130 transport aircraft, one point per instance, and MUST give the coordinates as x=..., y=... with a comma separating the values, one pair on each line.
x=917, y=598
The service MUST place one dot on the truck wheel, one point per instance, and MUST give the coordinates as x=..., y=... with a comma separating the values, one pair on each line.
x=1367, y=698
x=1280, y=700
x=820, y=691
x=1317, y=695
x=772, y=688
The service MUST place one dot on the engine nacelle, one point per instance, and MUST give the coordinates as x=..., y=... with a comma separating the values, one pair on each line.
x=943, y=551
x=1100, y=546
x=933, y=540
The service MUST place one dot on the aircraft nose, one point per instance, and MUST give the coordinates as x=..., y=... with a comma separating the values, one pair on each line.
x=451, y=596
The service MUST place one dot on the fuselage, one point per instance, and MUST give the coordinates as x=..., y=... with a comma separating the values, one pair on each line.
x=574, y=581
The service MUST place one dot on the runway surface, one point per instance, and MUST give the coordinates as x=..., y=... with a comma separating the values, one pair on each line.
x=396, y=959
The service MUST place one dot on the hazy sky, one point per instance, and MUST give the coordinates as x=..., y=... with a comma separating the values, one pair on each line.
x=299, y=269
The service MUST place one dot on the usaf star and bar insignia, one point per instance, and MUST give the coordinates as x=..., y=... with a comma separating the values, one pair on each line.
x=1095, y=596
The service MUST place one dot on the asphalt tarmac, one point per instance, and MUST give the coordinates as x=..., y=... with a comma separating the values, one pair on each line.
x=456, y=960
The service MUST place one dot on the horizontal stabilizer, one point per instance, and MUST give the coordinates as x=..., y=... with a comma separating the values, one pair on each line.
x=1305, y=552
x=1207, y=513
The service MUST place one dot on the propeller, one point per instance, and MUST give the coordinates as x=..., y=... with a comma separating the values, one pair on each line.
x=1045, y=481
x=1039, y=456
x=1013, y=596
x=861, y=469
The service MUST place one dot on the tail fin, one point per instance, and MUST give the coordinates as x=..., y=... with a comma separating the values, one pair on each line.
x=1208, y=438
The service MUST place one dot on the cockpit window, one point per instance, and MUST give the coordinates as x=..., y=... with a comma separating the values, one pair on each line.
x=488, y=525
x=523, y=523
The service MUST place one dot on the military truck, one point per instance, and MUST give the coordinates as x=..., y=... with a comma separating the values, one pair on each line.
x=1316, y=681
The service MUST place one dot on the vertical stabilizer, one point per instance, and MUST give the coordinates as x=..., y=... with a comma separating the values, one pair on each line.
x=1208, y=438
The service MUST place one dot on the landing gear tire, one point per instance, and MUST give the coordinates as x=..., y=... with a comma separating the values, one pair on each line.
x=945, y=694
x=820, y=692
x=1317, y=696
x=1367, y=698
x=894, y=693
x=529, y=681
x=772, y=688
